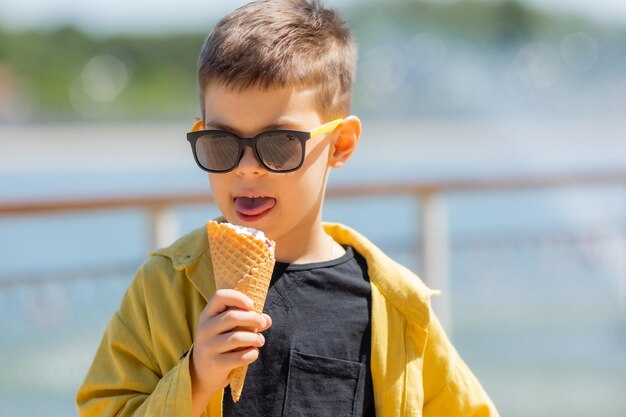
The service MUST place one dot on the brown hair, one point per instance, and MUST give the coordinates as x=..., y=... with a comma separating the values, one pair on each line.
x=279, y=43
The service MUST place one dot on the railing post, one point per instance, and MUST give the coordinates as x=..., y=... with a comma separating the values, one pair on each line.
x=435, y=254
x=622, y=279
x=164, y=227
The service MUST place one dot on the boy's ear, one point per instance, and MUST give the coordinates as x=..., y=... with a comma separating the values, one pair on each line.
x=198, y=124
x=345, y=143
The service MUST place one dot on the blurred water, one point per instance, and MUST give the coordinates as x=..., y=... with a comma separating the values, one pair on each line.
x=535, y=274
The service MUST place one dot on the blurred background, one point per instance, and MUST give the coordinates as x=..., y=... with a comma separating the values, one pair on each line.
x=493, y=160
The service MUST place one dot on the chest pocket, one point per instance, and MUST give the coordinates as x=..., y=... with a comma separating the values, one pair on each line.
x=320, y=386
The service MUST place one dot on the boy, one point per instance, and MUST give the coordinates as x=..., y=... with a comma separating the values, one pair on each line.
x=345, y=330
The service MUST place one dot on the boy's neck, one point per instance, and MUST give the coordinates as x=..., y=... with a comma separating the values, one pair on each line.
x=304, y=248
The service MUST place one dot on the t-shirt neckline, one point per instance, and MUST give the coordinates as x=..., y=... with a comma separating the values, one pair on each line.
x=284, y=266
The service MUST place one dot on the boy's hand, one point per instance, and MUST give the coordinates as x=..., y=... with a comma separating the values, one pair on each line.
x=219, y=347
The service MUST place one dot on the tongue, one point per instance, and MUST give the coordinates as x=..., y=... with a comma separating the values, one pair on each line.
x=253, y=206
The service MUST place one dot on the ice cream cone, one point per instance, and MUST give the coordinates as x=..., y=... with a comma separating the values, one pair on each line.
x=243, y=259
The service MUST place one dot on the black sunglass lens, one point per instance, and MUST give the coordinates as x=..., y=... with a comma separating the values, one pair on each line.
x=217, y=151
x=280, y=151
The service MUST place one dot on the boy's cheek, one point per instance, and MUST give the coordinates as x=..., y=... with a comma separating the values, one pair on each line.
x=220, y=192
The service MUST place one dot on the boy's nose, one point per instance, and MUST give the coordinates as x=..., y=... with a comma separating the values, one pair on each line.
x=248, y=165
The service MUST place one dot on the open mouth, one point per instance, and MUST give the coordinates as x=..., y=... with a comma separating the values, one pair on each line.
x=253, y=208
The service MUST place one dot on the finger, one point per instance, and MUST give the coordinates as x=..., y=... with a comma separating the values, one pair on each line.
x=239, y=358
x=225, y=298
x=228, y=320
x=268, y=320
x=228, y=342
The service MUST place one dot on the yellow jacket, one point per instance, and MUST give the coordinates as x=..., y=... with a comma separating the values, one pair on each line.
x=141, y=367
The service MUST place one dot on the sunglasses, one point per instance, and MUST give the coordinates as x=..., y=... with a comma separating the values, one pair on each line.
x=281, y=151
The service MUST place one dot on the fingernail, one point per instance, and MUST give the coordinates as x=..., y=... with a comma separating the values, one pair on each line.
x=262, y=339
x=263, y=321
x=249, y=302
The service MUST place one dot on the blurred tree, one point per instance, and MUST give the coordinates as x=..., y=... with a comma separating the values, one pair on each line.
x=513, y=23
x=153, y=76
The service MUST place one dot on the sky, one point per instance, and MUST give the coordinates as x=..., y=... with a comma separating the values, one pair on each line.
x=149, y=16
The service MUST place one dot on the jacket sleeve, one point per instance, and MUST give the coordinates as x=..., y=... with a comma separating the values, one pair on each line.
x=450, y=387
x=125, y=379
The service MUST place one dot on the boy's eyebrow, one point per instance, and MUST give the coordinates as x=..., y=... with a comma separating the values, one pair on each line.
x=280, y=124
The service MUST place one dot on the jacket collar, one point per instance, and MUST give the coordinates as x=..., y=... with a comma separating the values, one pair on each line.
x=397, y=284
x=191, y=254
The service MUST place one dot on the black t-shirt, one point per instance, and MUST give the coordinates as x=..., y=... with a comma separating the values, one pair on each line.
x=316, y=357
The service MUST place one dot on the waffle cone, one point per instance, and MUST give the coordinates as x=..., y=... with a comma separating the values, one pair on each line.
x=245, y=263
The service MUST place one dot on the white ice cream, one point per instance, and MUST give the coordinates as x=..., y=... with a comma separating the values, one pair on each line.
x=258, y=234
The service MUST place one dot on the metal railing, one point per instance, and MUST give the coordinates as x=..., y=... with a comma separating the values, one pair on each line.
x=435, y=247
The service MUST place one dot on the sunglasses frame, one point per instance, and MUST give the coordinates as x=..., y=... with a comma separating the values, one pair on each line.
x=242, y=143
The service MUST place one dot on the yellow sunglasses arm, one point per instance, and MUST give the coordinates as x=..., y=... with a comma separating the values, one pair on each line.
x=197, y=125
x=326, y=128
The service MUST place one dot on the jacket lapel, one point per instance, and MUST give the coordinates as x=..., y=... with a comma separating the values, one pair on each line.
x=400, y=314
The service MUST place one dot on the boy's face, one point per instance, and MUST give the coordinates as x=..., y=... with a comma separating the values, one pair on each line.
x=291, y=203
